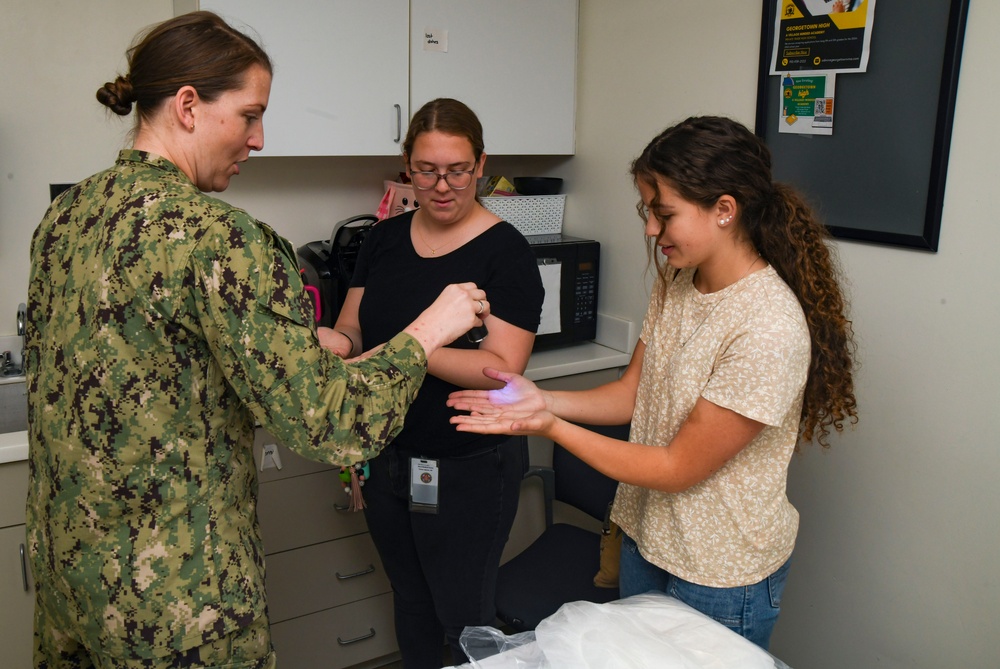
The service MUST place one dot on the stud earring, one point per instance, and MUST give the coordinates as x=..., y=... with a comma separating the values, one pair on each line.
x=724, y=221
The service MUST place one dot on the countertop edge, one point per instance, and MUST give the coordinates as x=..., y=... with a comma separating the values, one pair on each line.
x=576, y=359
x=13, y=446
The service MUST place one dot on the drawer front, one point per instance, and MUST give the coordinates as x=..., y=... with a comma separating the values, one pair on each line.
x=13, y=493
x=318, y=577
x=18, y=603
x=338, y=637
x=292, y=464
x=306, y=510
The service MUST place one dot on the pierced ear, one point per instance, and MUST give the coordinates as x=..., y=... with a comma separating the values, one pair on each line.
x=184, y=104
x=726, y=208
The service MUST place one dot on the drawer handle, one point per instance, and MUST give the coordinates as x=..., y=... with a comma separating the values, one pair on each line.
x=24, y=570
x=344, y=577
x=371, y=633
x=341, y=507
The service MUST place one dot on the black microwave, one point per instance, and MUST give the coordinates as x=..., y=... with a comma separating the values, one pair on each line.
x=570, y=268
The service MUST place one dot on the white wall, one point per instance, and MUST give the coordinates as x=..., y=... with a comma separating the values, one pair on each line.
x=899, y=552
x=55, y=55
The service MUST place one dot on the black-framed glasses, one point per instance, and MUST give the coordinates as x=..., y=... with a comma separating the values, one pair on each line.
x=459, y=180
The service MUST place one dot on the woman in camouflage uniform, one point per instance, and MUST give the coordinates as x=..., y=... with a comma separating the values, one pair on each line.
x=163, y=325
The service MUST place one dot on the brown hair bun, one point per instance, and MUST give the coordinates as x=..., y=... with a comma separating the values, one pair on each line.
x=117, y=96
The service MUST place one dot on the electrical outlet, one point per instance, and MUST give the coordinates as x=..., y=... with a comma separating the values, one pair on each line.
x=270, y=458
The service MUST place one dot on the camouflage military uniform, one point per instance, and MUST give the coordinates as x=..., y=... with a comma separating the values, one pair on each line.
x=163, y=323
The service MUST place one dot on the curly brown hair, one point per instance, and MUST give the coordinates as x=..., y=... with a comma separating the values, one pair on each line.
x=704, y=158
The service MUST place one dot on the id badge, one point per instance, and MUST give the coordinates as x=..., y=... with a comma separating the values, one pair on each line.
x=424, y=475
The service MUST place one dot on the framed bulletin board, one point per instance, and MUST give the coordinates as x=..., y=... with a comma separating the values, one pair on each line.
x=880, y=176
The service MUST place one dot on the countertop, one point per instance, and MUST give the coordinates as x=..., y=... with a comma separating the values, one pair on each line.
x=612, y=348
x=13, y=446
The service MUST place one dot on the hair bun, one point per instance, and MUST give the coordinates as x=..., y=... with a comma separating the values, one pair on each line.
x=118, y=96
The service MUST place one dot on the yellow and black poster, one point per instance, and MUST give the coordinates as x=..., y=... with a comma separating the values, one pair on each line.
x=822, y=35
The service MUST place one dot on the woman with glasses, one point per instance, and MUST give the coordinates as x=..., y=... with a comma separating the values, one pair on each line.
x=440, y=540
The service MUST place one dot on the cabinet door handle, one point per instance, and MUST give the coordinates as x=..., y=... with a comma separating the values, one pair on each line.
x=24, y=570
x=344, y=577
x=347, y=642
x=399, y=123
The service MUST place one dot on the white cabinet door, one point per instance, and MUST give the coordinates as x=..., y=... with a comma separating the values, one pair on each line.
x=340, y=73
x=513, y=62
x=17, y=597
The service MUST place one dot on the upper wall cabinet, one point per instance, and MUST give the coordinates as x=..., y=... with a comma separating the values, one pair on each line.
x=513, y=62
x=340, y=83
x=348, y=73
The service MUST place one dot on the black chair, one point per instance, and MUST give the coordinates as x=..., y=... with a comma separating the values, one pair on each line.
x=559, y=566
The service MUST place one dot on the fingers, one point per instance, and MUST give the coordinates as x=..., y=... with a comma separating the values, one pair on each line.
x=480, y=305
x=497, y=375
x=479, y=407
x=469, y=395
x=333, y=341
x=486, y=425
x=459, y=308
x=470, y=400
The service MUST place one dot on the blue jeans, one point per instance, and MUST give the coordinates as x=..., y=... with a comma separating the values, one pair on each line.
x=751, y=611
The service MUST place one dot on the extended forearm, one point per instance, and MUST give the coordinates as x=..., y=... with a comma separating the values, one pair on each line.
x=610, y=404
x=352, y=413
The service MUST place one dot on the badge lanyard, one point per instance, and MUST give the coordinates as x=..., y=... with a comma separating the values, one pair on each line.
x=424, y=477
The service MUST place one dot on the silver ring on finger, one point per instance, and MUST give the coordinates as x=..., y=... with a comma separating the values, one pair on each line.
x=482, y=307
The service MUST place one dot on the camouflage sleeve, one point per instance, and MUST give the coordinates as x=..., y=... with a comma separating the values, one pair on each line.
x=257, y=319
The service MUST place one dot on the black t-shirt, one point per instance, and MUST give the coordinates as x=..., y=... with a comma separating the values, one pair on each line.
x=399, y=285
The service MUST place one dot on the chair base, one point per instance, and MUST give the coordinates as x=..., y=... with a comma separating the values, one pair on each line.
x=558, y=567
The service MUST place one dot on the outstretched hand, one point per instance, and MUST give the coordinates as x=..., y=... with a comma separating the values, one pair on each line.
x=520, y=407
x=517, y=394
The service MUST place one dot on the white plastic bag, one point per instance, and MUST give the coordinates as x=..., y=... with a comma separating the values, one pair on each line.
x=645, y=631
x=651, y=631
x=489, y=648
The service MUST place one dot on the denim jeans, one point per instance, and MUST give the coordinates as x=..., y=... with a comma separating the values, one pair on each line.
x=751, y=611
x=443, y=567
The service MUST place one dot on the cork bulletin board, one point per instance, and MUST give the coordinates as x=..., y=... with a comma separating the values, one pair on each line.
x=880, y=176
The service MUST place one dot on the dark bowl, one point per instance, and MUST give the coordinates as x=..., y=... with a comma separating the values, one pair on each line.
x=538, y=185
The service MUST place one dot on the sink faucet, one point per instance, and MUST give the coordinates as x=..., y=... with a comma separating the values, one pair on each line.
x=7, y=365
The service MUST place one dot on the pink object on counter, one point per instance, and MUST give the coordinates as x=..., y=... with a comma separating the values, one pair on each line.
x=314, y=292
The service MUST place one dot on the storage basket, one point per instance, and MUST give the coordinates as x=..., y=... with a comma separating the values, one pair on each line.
x=530, y=214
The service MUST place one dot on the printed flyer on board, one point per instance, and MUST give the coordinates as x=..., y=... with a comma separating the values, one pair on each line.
x=807, y=104
x=822, y=35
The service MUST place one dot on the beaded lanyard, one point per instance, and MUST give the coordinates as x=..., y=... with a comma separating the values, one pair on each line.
x=354, y=477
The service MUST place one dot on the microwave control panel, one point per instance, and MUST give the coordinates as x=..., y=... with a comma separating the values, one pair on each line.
x=585, y=292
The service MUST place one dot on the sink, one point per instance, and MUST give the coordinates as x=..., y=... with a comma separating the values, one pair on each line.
x=13, y=404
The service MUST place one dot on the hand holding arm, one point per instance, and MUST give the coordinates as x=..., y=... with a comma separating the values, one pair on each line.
x=458, y=309
x=337, y=342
